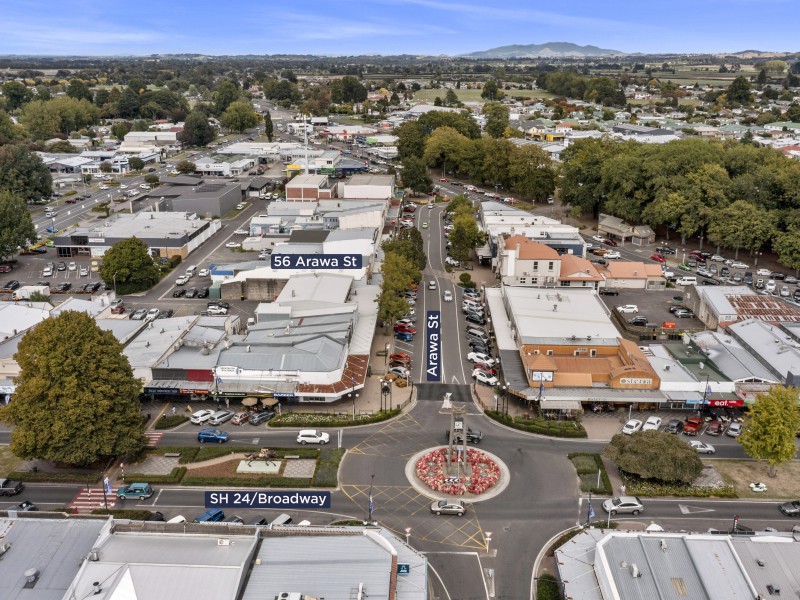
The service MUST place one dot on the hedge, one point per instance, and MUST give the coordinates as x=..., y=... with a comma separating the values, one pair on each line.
x=327, y=420
x=170, y=421
x=60, y=476
x=548, y=587
x=565, y=429
x=282, y=482
x=636, y=486
x=587, y=465
x=133, y=515
x=175, y=476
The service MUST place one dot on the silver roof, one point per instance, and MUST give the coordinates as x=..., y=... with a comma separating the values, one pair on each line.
x=730, y=357
x=777, y=567
x=774, y=347
x=54, y=547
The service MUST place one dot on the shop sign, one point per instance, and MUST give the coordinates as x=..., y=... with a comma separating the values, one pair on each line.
x=729, y=403
x=635, y=381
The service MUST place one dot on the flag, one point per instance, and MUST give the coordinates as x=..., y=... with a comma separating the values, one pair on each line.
x=107, y=485
x=591, y=511
x=708, y=391
x=371, y=506
x=541, y=388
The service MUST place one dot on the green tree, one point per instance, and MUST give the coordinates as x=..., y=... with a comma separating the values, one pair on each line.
x=127, y=265
x=239, y=116
x=120, y=130
x=654, y=455
x=352, y=90
x=196, y=130
x=9, y=132
x=415, y=176
x=787, y=246
x=127, y=107
x=151, y=179
x=76, y=400
x=451, y=98
x=409, y=245
x=16, y=94
x=136, y=163
x=79, y=90
x=762, y=77
x=269, y=128
x=63, y=115
x=739, y=90
x=491, y=91
x=793, y=113
x=496, y=118
x=16, y=225
x=227, y=94
x=771, y=426
x=531, y=172
x=742, y=225
x=62, y=146
x=462, y=122
x=185, y=167
x=23, y=173
x=443, y=148
x=105, y=167
x=410, y=140
x=582, y=173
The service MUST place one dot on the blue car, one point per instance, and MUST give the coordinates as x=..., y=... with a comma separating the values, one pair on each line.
x=212, y=435
x=51, y=229
x=212, y=515
x=404, y=336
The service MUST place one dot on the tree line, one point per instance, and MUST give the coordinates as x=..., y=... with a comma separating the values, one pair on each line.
x=403, y=262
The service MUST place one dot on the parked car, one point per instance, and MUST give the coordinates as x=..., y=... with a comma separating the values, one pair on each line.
x=233, y=245
x=400, y=357
x=483, y=377
x=623, y=504
x=734, y=429
x=241, y=232
x=212, y=515
x=217, y=310
x=182, y=280
x=400, y=371
x=790, y=509
x=202, y=292
x=666, y=250
x=241, y=418
x=715, y=428
x=201, y=416
x=152, y=314
x=179, y=293
x=613, y=255
x=778, y=276
x=451, y=261
x=674, y=426
x=610, y=242
x=63, y=287
x=448, y=507
x=261, y=417
x=139, y=314
x=693, y=425
x=684, y=313
x=405, y=327
x=638, y=321
x=479, y=357
x=632, y=426
x=220, y=417
x=702, y=447
x=404, y=336
x=652, y=424
x=24, y=506
x=142, y=491
x=10, y=487
x=312, y=436
x=628, y=308
x=739, y=265
x=191, y=293
x=609, y=291
x=658, y=258
x=212, y=435
x=717, y=258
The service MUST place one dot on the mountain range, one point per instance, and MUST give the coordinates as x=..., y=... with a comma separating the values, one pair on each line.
x=547, y=50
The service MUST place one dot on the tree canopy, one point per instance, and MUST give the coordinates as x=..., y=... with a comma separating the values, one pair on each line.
x=239, y=116
x=196, y=129
x=23, y=173
x=655, y=455
x=16, y=225
x=76, y=399
x=127, y=265
x=771, y=427
x=415, y=176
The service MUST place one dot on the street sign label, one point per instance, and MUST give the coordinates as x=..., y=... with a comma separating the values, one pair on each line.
x=433, y=341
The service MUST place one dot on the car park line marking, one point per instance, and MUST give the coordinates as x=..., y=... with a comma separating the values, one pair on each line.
x=689, y=510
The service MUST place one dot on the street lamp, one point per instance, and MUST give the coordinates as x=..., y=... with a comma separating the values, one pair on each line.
x=386, y=359
x=408, y=534
x=757, y=254
x=505, y=402
x=114, y=281
x=683, y=256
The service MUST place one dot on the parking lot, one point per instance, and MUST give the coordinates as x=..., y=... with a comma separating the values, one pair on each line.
x=654, y=305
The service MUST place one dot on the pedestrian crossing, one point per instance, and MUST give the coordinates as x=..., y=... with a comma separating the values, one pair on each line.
x=153, y=437
x=88, y=500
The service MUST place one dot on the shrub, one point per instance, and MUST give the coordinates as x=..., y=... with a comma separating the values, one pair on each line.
x=175, y=476
x=169, y=421
x=209, y=452
x=655, y=456
x=70, y=193
x=548, y=587
x=587, y=465
x=174, y=261
x=327, y=420
x=636, y=486
x=567, y=429
x=60, y=476
x=249, y=482
x=133, y=515
x=326, y=474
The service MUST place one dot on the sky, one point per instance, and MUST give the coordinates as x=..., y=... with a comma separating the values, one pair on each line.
x=429, y=27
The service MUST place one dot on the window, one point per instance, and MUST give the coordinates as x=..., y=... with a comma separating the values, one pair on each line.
x=592, y=353
x=534, y=280
x=550, y=265
x=536, y=265
x=549, y=353
x=564, y=283
x=523, y=280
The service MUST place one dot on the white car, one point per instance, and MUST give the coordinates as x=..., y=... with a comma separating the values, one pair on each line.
x=241, y=232
x=182, y=280
x=240, y=206
x=483, y=377
x=400, y=371
x=312, y=436
x=233, y=245
x=652, y=424
x=770, y=287
x=122, y=186
x=217, y=310
x=204, y=273
x=702, y=447
x=447, y=296
x=201, y=416
x=668, y=273
x=103, y=187
x=84, y=272
x=144, y=186
x=73, y=266
x=717, y=258
x=739, y=265
x=480, y=357
x=451, y=261
x=631, y=427
x=152, y=314
x=764, y=272
x=612, y=254
x=598, y=238
x=628, y=308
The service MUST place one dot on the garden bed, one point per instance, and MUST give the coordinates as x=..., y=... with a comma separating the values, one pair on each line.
x=588, y=465
x=330, y=420
x=566, y=429
x=635, y=486
x=168, y=422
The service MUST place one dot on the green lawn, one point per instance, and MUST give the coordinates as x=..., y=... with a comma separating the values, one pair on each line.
x=426, y=95
x=8, y=462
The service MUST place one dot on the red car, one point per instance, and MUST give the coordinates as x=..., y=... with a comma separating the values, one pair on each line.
x=405, y=328
x=413, y=287
x=609, y=242
x=714, y=428
x=118, y=309
x=693, y=425
x=399, y=357
x=485, y=368
x=241, y=418
x=658, y=258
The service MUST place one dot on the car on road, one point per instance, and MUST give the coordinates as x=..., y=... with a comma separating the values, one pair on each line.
x=138, y=315
x=104, y=187
x=142, y=491
x=451, y=261
x=715, y=428
x=122, y=186
x=693, y=425
x=220, y=417
x=233, y=245
x=424, y=224
x=628, y=308
x=261, y=417
x=400, y=371
x=448, y=507
x=623, y=504
x=312, y=436
x=702, y=447
x=241, y=232
x=790, y=509
x=204, y=273
x=632, y=427
x=447, y=296
x=674, y=426
x=201, y=416
x=144, y=186
x=10, y=487
x=24, y=506
x=598, y=238
x=483, y=377
x=734, y=429
x=212, y=435
x=613, y=255
x=473, y=437
x=479, y=357
x=652, y=424
x=217, y=310
x=658, y=258
x=666, y=250
x=609, y=291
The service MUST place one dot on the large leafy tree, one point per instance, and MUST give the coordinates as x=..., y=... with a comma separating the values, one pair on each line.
x=443, y=147
x=127, y=265
x=16, y=226
x=8, y=131
x=196, y=130
x=16, y=94
x=239, y=116
x=23, y=173
x=531, y=172
x=654, y=455
x=76, y=399
x=78, y=89
x=770, y=429
x=742, y=225
x=461, y=122
x=136, y=163
x=582, y=173
x=787, y=245
x=496, y=118
x=186, y=166
x=739, y=90
x=227, y=94
x=410, y=140
x=415, y=176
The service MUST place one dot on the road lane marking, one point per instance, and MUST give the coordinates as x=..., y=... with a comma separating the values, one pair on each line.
x=688, y=510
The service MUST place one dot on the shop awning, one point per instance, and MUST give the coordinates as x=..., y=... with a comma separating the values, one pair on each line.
x=250, y=401
x=546, y=404
x=269, y=401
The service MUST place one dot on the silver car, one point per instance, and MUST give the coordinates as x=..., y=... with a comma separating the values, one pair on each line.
x=623, y=504
x=220, y=417
x=448, y=507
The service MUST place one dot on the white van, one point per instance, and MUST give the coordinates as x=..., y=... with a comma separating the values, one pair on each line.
x=283, y=519
x=178, y=519
x=686, y=281
x=191, y=271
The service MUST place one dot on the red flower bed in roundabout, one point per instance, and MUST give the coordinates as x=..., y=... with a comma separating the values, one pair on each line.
x=483, y=473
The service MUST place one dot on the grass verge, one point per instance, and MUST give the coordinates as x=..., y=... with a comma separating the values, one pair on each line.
x=8, y=461
x=588, y=465
x=739, y=474
x=566, y=429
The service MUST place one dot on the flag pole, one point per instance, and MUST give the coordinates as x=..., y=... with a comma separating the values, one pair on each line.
x=369, y=517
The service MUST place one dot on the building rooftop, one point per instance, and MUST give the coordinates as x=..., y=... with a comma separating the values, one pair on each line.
x=369, y=179
x=774, y=348
x=308, y=180
x=323, y=287
x=731, y=358
x=170, y=225
x=530, y=250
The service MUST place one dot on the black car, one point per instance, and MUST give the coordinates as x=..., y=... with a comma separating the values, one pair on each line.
x=604, y=291
x=258, y=521
x=156, y=516
x=674, y=426
x=476, y=319
x=796, y=294
x=191, y=293
x=261, y=417
x=666, y=250
x=24, y=506
x=638, y=321
x=747, y=279
x=709, y=282
x=61, y=266
x=778, y=276
x=11, y=285
x=92, y=287
x=790, y=509
x=473, y=437
x=63, y=287
x=9, y=487
x=202, y=292
x=478, y=347
x=180, y=292
x=39, y=250
x=165, y=314
x=724, y=272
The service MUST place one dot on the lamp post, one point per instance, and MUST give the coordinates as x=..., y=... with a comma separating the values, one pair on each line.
x=757, y=254
x=683, y=256
x=114, y=282
x=408, y=534
x=505, y=401
x=386, y=359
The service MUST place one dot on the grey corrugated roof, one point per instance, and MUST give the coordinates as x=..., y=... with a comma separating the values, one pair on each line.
x=330, y=567
x=730, y=357
x=55, y=547
x=780, y=560
x=317, y=354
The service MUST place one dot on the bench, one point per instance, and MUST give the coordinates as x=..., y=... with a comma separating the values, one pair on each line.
x=295, y=456
x=172, y=454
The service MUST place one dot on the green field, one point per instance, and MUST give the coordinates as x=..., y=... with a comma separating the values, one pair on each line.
x=427, y=95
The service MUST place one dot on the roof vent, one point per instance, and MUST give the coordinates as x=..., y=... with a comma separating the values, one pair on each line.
x=97, y=588
x=773, y=589
x=555, y=307
x=94, y=555
x=248, y=348
x=760, y=562
x=663, y=545
x=635, y=572
x=31, y=575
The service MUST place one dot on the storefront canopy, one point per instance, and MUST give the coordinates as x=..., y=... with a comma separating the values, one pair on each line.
x=250, y=401
x=269, y=401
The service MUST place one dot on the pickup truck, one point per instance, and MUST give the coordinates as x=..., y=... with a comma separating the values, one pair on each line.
x=693, y=425
x=473, y=437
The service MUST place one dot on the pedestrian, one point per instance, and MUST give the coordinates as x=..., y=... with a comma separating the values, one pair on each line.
x=173, y=411
x=227, y=402
x=622, y=490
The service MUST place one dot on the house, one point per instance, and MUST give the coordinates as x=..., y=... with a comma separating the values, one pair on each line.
x=524, y=262
x=614, y=227
x=633, y=275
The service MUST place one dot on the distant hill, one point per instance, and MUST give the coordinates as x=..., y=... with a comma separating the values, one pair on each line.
x=548, y=50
